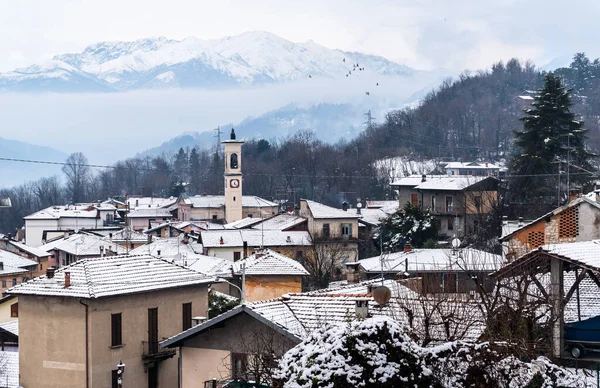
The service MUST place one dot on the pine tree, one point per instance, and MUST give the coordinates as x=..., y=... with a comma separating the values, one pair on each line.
x=180, y=165
x=551, y=134
x=194, y=171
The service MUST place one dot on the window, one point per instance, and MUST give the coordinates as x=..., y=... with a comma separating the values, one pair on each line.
x=233, y=163
x=249, y=215
x=115, y=330
x=450, y=224
x=477, y=202
x=4, y=284
x=41, y=267
x=449, y=204
x=239, y=363
x=214, y=217
x=414, y=199
x=568, y=223
x=326, y=230
x=236, y=256
x=14, y=310
x=14, y=282
x=346, y=230
x=187, y=315
x=433, y=202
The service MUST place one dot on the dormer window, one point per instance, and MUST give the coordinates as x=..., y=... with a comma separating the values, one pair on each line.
x=233, y=162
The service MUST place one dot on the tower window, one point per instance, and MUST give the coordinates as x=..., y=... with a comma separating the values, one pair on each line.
x=233, y=162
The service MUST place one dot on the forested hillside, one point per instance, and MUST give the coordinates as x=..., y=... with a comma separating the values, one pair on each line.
x=472, y=117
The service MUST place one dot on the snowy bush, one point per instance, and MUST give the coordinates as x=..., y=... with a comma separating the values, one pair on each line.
x=379, y=352
x=407, y=224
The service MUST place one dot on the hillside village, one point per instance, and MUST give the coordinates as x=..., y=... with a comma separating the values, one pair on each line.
x=478, y=272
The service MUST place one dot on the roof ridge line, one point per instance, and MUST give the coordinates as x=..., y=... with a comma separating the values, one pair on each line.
x=88, y=281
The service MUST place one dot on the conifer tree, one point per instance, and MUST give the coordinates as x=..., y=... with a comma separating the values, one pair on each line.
x=551, y=135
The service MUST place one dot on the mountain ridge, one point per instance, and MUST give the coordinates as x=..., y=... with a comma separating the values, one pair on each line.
x=251, y=58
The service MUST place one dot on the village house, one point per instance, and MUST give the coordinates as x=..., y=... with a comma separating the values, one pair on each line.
x=181, y=248
x=39, y=255
x=459, y=203
x=53, y=221
x=576, y=221
x=212, y=207
x=237, y=244
x=15, y=269
x=332, y=230
x=283, y=222
x=432, y=271
x=223, y=347
x=142, y=219
x=268, y=275
x=9, y=308
x=71, y=248
x=472, y=169
x=175, y=228
x=116, y=310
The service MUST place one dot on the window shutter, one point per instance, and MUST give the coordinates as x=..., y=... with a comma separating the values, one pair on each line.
x=350, y=230
x=14, y=310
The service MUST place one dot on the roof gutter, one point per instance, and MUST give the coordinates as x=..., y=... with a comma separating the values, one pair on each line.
x=87, y=353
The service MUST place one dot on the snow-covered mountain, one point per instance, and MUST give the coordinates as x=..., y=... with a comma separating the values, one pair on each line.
x=251, y=58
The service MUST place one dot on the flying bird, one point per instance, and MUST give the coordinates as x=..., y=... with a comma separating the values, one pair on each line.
x=367, y=93
x=377, y=84
x=344, y=60
x=346, y=75
x=309, y=76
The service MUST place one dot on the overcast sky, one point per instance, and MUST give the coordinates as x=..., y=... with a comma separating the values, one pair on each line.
x=424, y=34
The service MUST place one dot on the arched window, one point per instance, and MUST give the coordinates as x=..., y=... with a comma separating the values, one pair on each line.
x=233, y=162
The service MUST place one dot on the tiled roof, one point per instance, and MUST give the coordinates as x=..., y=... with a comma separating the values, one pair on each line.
x=243, y=223
x=13, y=263
x=268, y=262
x=31, y=250
x=319, y=211
x=11, y=327
x=70, y=211
x=254, y=238
x=83, y=244
x=170, y=248
x=148, y=213
x=280, y=222
x=218, y=201
x=208, y=265
x=586, y=252
x=9, y=371
x=302, y=313
x=433, y=260
x=439, y=182
x=113, y=275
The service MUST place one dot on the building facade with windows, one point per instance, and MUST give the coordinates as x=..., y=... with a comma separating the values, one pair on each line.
x=100, y=312
x=459, y=203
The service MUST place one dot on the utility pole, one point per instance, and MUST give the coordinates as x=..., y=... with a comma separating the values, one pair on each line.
x=568, y=164
x=243, y=296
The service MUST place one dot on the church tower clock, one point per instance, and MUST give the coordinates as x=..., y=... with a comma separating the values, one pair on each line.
x=233, y=178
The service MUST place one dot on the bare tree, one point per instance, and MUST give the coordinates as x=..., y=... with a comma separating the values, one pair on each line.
x=77, y=173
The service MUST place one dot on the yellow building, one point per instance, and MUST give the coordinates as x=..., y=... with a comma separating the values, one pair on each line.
x=86, y=318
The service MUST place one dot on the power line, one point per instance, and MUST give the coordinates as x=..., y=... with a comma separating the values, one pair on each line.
x=278, y=175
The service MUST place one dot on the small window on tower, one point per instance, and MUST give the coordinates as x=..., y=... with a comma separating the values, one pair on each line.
x=233, y=161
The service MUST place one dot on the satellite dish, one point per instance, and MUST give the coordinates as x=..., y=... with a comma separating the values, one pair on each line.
x=456, y=243
x=381, y=295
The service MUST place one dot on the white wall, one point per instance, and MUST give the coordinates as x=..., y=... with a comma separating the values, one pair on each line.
x=34, y=230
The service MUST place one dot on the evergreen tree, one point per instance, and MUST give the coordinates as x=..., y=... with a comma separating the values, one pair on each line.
x=194, y=171
x=550, y=135
x=181, y=165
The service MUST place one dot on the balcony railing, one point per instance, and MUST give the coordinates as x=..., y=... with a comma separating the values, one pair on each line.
x=151, y=351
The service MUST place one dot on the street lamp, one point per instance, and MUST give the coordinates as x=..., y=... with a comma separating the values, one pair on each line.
x=120, y=371
x=243, y=289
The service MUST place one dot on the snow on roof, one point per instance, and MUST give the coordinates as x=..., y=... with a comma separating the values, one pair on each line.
x=208, y=265
x=218, y=201
x=127, y=234
x=526, y=97
x=370, y=216
x=433, y=260
x=11, y=327
x=440, y=182
x=172, y=247
x=69, y=211
x=472, y=165
x=9, y=369
x=585, y=252
x=83, y=244
x=254, y=238
x=387, y=206
x=150, y=213
x=318, y=211
x=113, y=275
x=268, y=262
x=243, y=223
x=37, y=252
x=12, y=260
x=280, y=222
x=150, y=202
x=299, y=314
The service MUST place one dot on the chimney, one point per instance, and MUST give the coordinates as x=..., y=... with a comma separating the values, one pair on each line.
x=520, y=222
x=352, y=272
x=110, y=236
x=8, y=236
x=345, y=206
x=50, y=272
x=504, y=220
x=358, y=208
x=149, y=238
x=67, y=279
x=185, y=238
x=407, y=247
x=362, y=309
x=158, y=252
x=288, y=239
x=221, y=241
x=423, y=178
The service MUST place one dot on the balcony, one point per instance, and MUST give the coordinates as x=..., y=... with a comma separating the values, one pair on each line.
x=449, y=209
x=152, y=352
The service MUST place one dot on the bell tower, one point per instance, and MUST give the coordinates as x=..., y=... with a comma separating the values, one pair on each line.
x=233, y=178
